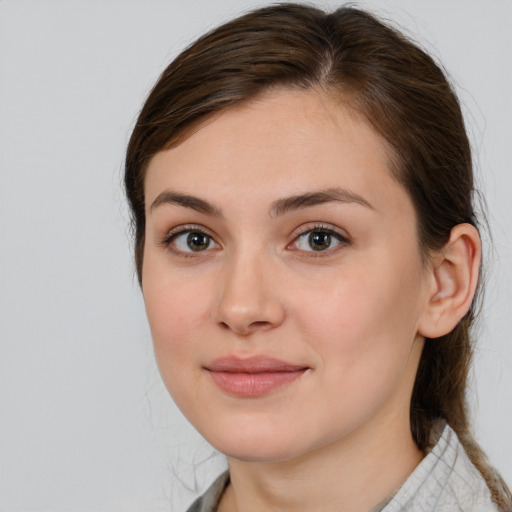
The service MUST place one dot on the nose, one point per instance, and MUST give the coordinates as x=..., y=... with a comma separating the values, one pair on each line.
x=248, y=298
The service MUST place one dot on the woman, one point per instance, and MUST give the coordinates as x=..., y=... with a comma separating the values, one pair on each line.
x=301, y=189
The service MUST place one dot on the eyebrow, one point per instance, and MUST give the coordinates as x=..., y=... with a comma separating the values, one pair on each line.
x=187, y=201
x=279, y=207
x=298, y=202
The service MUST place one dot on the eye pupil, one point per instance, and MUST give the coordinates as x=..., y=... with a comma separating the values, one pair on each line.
x=198, y=241
x=319, y=240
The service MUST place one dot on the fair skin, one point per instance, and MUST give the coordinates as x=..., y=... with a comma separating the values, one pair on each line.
x=277, y=230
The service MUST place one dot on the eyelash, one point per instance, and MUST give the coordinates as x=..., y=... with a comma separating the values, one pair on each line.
x=170, y=237
x=321, y=228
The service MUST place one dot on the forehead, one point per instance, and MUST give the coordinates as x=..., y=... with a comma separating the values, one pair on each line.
x=282, y=143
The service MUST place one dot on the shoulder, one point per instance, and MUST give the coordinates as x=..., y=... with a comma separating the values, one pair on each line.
x=210, y=499
x=445, y=481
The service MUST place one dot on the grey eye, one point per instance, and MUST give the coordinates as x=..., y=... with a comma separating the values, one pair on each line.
x=192, y=241
x=319, y=240
x=198, y=241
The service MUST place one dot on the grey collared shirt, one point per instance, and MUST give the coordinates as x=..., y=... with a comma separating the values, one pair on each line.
x=444, y=481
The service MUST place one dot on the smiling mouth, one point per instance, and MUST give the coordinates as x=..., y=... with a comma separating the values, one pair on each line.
x=253, y=377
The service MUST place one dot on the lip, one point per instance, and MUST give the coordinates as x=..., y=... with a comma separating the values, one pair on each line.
x=254, y=376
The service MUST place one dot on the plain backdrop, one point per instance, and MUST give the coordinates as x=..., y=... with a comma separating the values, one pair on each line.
x=85, y=424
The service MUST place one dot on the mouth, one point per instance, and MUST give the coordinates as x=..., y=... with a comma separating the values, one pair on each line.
x=253, y=377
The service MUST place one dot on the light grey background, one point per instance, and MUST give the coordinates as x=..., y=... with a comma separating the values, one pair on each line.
x=85, y=424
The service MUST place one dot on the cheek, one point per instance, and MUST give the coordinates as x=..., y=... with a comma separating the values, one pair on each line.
x=366, y=318
x=177, y=310
x=173, y=318
x=364, y=331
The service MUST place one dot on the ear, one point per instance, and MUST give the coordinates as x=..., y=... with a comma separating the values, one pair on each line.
x=453, y=280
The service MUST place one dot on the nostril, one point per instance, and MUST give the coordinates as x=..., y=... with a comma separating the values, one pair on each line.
x=245, y=308
x=259, y=325
x=245, y=329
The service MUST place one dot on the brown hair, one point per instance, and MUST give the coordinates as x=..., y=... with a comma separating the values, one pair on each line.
x=398, y=89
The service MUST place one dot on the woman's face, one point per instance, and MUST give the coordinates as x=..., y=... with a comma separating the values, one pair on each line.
x=282, y=278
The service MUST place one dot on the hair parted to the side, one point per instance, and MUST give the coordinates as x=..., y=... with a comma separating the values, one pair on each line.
x=392, y=84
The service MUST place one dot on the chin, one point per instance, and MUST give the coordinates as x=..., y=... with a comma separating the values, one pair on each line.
x=271, y=445
x=258, y=453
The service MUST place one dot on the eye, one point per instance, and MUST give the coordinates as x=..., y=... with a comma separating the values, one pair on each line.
x=190, y=241
x=194, y=242
x=319, y=240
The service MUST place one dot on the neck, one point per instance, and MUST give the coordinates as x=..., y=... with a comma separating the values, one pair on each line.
x=355, y=473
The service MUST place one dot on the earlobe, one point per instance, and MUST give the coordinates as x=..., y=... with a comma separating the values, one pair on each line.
x=454, y=277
